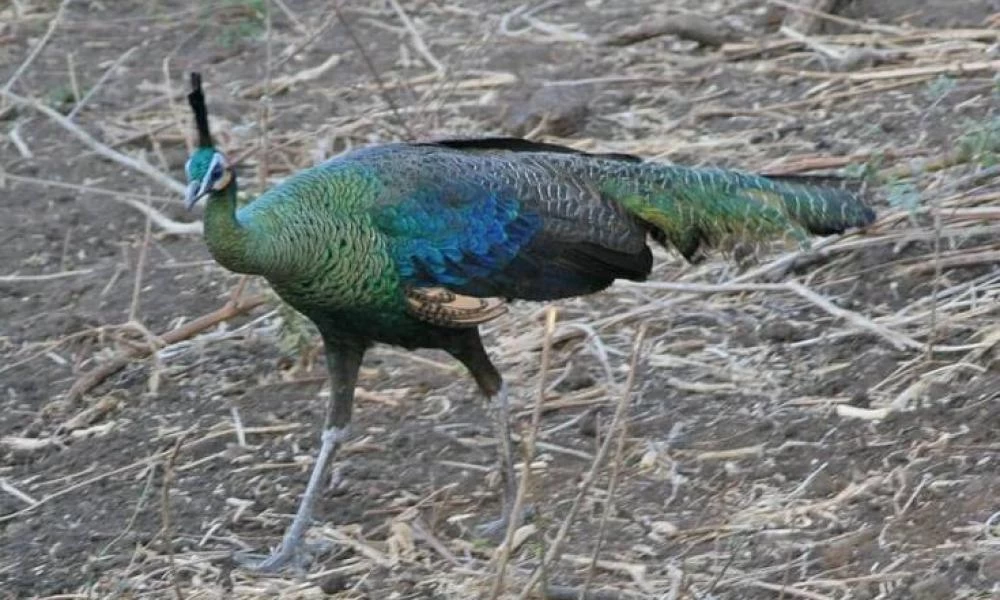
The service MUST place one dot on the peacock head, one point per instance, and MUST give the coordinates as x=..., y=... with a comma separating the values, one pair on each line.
x=206, y=169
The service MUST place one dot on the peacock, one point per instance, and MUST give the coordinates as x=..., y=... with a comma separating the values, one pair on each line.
x=418, y=244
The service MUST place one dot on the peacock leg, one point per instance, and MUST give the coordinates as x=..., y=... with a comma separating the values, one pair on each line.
x=500, y=411
x=343, y=361
x=468, y=348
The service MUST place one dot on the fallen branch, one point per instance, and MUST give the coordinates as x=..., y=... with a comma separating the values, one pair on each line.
x=895, y=339
x=92, y=379
x=686, y=27
x=98, y=147
x=136, y=201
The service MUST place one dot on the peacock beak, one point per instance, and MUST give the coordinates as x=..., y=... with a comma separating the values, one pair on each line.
x=195, y=191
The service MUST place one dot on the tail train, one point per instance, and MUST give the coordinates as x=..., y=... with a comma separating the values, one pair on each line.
x=693, y=208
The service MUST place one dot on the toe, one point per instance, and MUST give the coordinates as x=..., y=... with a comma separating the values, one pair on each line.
x=497, y=528
x=492, y=529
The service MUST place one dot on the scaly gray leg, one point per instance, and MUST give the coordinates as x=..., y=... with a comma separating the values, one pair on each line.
x=290, y=549
x=343, y=359
x=500, y=412
x=467, y=347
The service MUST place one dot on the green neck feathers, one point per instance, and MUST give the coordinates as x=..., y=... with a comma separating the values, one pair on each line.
x=229, y=241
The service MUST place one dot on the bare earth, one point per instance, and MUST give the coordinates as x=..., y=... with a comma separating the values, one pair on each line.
x=780, y=444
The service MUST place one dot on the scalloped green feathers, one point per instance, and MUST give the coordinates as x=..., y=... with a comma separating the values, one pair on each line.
x=720, y=208
x=385, y=238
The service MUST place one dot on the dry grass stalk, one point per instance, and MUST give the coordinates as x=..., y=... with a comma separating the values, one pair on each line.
x=383, y=90
x=127, y=161
x=140, y=268
x=82, y=484
x=950, y=69
x=38, y=47
x=609, y=498
x=167, y=524
x=139, y=202
x=529, y=452
x=553, y=552
x=121, y=60
x=94, y=378
x=897, y=340
x=418, y=40
x=11, y=489
x=14, y=278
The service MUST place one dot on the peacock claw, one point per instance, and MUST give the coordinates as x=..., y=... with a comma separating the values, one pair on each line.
x=297, y=558
x=497, y=528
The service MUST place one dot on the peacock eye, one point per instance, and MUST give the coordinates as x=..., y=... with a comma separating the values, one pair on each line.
x=216, y=171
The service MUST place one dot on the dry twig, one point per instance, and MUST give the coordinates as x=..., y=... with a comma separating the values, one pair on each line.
x=168, y=528
x=94, y=378
x=529, y=453
x=685, y=26
x=39, y=45
x=553, y=552
x=98, y=147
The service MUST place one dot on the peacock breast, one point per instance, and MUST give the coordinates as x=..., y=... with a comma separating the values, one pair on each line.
x=337, y=265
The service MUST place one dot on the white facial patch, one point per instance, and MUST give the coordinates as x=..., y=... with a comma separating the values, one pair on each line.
x=218, y=160
x=210, y=174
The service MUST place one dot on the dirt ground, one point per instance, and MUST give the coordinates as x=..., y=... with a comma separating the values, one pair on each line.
x=776, y=447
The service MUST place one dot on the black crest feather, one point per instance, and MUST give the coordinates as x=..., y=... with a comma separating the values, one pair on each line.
x=197, y=100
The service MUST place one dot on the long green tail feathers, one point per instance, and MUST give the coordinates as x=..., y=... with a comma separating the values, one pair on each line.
x=695, y=208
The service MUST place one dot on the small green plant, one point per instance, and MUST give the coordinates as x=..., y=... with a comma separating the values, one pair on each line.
x=939, y=89
x=258, y=7
x=243, y=19
x=533, y=550
x=868, y=170
x=61, y=98
x=233, y=34
x=482, y=544
x=296, y=334
x=981, y=143
x=903, y=194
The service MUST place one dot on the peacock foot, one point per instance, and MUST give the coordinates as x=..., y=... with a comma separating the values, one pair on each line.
x=297, y=557
x=294, y=551
x=496, y=529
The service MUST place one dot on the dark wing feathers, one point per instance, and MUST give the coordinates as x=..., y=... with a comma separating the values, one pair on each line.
x=549, y=268
x=506, y=217
x=486, y=225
